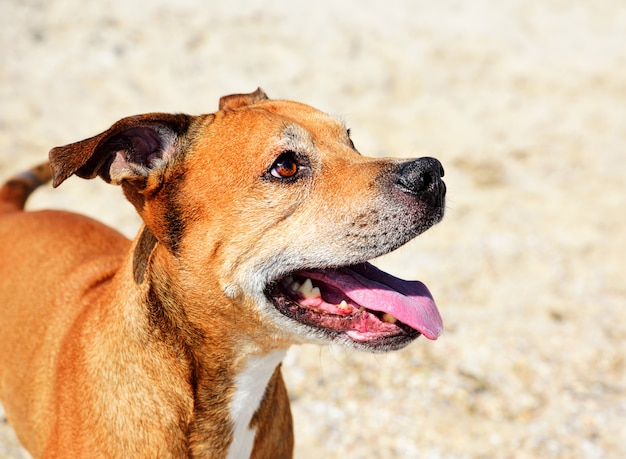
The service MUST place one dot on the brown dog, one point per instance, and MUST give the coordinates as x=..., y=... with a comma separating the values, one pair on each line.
x=258, y=222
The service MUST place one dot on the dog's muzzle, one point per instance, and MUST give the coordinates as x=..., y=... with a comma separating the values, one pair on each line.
x=372, y=309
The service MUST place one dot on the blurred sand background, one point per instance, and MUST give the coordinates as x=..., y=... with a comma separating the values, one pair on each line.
x=525, y=104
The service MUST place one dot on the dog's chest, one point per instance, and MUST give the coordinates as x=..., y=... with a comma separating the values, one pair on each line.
x=250, y=387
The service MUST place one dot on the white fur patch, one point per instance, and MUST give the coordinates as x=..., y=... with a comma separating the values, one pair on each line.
x=250, y=386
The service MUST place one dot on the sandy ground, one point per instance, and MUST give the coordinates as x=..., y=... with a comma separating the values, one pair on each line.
x=525, y=104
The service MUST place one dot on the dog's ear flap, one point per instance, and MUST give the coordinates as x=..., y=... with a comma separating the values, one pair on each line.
x=234, y=101
x=129, y=150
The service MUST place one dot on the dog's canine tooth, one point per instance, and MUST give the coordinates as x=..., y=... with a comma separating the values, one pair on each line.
x=306, y=287
x=389, y=318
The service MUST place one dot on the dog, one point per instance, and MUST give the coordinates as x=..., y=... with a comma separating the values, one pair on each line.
x=258, y=222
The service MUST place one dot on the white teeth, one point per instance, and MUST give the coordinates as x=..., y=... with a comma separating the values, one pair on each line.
x=389, y=318
x=294, y=286
x=343, y=305
x=306, y=287
x=308, y=291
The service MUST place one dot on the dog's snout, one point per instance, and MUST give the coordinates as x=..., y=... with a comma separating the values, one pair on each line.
x=422, y=177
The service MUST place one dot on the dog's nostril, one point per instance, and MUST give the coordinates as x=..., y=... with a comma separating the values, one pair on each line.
x=427, y=181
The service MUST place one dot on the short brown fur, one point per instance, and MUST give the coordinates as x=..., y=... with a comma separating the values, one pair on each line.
x=113, y=348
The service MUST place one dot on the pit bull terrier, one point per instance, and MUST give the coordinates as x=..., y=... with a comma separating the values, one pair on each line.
x=258, y=224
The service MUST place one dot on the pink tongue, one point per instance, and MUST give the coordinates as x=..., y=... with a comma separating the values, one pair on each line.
x=408, y=301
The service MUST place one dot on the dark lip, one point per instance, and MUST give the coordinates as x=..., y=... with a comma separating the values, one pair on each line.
x=337, y=327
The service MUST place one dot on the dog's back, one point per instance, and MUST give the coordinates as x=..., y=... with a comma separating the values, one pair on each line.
x=38, y=251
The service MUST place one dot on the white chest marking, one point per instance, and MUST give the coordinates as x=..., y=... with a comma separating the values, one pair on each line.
x=250, y=387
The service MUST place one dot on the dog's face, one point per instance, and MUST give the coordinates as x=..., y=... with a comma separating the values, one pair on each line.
x=270, y=203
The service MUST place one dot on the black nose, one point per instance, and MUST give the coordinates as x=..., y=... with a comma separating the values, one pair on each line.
x=422, y=177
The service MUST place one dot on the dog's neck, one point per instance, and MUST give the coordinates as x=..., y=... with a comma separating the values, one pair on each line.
x=228, y=396
x=229, y=372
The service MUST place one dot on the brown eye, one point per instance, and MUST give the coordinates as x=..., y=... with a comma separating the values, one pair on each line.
x=285, y=166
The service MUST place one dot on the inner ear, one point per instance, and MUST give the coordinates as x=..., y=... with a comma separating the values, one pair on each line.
x=137, y=152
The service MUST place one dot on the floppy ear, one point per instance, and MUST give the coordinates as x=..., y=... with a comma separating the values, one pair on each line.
x=239, y=100
x=128, y=151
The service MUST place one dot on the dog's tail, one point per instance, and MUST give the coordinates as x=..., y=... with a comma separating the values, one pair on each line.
x=16, y=190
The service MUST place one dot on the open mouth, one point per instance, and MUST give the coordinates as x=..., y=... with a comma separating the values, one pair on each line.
x=369, y=306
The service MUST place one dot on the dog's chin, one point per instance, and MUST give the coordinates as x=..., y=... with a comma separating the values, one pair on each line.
x=344, y=305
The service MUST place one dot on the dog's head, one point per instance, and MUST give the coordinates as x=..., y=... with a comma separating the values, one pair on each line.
x=269, y=205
